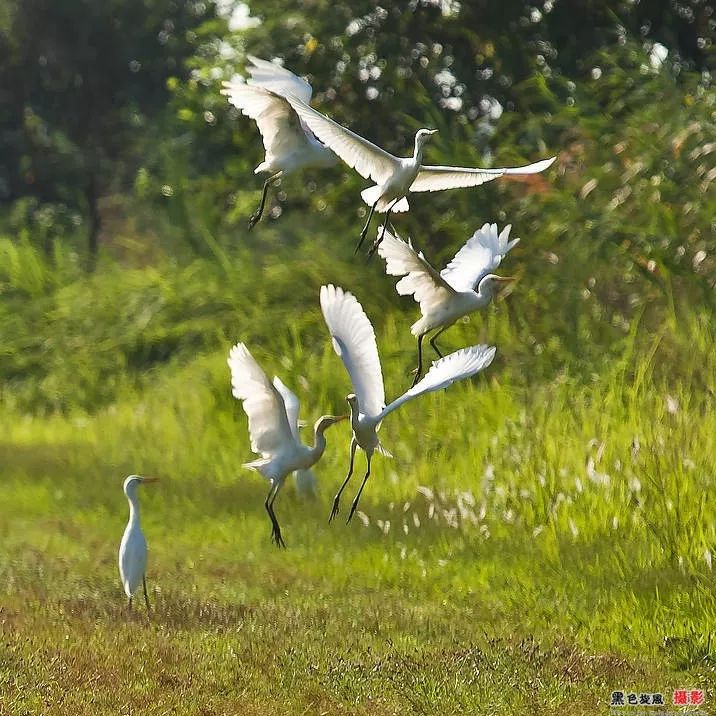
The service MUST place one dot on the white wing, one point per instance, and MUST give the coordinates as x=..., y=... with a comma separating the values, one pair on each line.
x=292, y=404
x=354, y=341
x=420, y=279
x=280, y=129
x=366, y=158
x=439, y=178
x=268, y=423
x=481, y=254
x=278, y=79
x=444, y=372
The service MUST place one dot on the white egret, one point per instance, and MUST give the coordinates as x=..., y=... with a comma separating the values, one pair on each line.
x=354, y=341
x=463, y=286
x=395, y=177
x=273, y=427
x=133, y=547
x=289, y=144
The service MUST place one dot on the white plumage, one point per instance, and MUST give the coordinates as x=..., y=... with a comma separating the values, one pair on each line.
x=395, y=177
x=133, y=547
x=465, y=285
x=354, y=341
x=273, y=427
x=289, y=144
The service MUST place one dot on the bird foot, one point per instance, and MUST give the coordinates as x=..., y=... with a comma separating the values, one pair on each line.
x=374, y=247
x=334, y=511
x=354, y=506
x=253, y=220
x=277, y=539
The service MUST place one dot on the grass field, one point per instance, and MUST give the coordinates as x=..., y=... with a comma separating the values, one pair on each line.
x=530, y=548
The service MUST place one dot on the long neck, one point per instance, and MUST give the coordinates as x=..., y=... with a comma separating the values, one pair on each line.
x=133, y=509
x=418, y=152
x=319, y=444
x=484, y=293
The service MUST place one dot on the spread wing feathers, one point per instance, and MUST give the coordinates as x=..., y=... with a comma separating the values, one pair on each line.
x=292, y=404
x=369, y=160
x=481, y=254
x=306, y=483
x=354, y=341
x=444, y=372
x=280, y=130
x=268, y=423
x=420, y=279
x=439, y=178
x=278, y=79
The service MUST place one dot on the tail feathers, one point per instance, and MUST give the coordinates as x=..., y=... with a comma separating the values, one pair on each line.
x=382, y=450
x=372, y=194
x=306, y=483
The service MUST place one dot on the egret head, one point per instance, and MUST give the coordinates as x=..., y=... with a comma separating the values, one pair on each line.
x=134, y=481
x=325, y=422
x=352, y=399
x=422, y=136
x=492, y=284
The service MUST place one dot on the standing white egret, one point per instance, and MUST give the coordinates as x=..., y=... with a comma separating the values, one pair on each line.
x=354, y=341
x=289, y=144
x=133, y=547
x=465, y=285
x=273, y=427
x=395, y=177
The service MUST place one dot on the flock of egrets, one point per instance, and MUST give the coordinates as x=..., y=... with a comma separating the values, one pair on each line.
x=295, y=137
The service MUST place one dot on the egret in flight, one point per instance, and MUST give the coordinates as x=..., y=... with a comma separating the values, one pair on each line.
x=272, y=410
x=395, y=177
x=289, y=144
x=463, y=286
x=133, y=547
x=354, y=341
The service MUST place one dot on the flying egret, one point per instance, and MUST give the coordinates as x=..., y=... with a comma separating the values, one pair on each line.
x=354, y=341
x=289, y=144
x=133, y=547
x=463, y=286
x=272, y=410
x=395, y=177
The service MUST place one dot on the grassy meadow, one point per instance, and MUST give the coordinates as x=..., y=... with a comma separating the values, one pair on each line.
x=543, y=535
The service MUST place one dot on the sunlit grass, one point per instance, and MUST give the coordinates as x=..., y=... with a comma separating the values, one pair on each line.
x=528, y=548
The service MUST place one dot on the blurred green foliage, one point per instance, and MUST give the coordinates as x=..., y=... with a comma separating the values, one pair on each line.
x=129, y=144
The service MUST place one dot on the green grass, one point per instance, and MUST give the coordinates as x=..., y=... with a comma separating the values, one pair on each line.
x=529, y=549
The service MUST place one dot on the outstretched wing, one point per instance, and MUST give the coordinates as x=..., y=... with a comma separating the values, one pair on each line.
x=481, y=254
x=278, y=79
x=420, y=279
x=268, y=423
x=280, y=129
x=439, y=178
x=444, y=372
x=354, y=341
x=292, y=404
x=369, y=160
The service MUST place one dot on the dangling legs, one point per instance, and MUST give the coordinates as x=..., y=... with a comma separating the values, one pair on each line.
x=256, y=216
x=275, y=528
x=434, y=344
x=146, y=596
x=357, y=497
x=365, y=228
x=337, y=498
x=419, y=369
x=129, y=604
x=379, y=238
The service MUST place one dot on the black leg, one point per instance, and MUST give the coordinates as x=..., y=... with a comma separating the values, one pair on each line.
x=360, y=492
x=129, y=604
x=433, y=341
x=337, y=498
x=365, y=228
x=275, y=528
x=256, y=216
x=378, y=239
x=419, y=369
x=146, y=596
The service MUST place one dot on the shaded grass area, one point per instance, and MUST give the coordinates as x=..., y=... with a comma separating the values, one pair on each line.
x=528, y=550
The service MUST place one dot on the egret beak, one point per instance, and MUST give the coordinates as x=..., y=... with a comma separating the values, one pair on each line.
x=505, y=279
x=338, y=418
x=150, y=479
x=501, y=282
x=433, y=131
